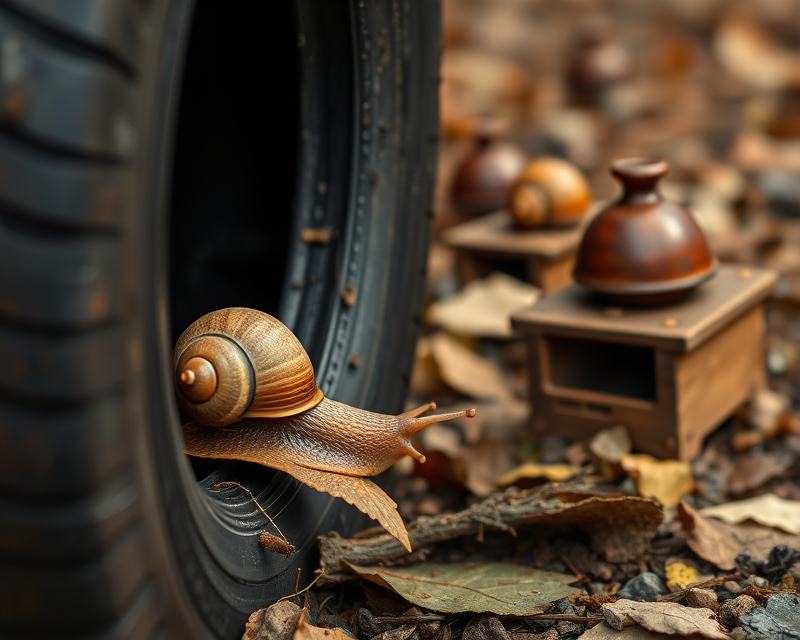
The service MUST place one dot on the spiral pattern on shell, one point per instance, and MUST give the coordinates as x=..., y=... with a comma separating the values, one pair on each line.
x=238, y=363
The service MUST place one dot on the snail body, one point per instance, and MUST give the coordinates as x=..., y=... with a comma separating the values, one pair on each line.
x=549, y=192
x=249, y=387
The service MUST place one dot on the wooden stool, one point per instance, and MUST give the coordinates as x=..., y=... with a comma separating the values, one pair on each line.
x=549, y=254
x=670, y=374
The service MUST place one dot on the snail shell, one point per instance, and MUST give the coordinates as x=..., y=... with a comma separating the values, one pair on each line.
x=549, y=192
x=241, y=363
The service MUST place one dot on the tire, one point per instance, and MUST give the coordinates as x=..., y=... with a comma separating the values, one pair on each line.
x=159, y=160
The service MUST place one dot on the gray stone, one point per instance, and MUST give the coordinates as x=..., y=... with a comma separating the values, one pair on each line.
x=779, y=619
x=646, y=586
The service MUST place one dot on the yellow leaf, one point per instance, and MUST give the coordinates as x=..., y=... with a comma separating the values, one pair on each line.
x=665, y=480
x=680, y=576
x=533, y=471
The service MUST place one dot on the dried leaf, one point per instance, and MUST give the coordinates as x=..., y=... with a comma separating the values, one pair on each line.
x=664, y=617
x=533, y=471
x=708, y=539
x=494, y=587
x=604, y=632
x=611, y=444
x=767, y=509
x=466, y=371
x=607, y=448
x=483, y=307
x=753, y=470
x=665, y=480
x=766, y=409
x=306, y=631
x=276, y=622
x=484, y=462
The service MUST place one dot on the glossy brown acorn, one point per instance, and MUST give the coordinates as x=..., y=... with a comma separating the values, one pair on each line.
x=549, y=192
x=249, y=386
x=484, y=180
x=643, y=249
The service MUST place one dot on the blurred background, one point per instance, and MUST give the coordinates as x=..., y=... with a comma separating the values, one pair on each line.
x=711, y=86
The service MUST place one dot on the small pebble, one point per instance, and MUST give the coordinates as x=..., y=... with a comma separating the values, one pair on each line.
x=646, y=586
x=729, y=612
x=733, y=587
x=702, y=599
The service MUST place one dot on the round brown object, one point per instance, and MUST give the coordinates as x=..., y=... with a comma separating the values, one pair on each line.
x=549, y=192
x=642, y=249
x=483, y=182
x=241, y=363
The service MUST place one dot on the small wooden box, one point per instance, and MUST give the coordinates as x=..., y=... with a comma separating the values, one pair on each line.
x=548, y=254
x=670, y=374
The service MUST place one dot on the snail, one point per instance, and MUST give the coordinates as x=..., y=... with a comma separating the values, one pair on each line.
x=248, y=385
x=549, y=192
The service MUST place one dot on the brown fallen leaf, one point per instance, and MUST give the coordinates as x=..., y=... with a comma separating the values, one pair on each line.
x=277, y=622
x=665, y=480
x=494, y=587
x=306, y=631
x=466, y=371
x=603, y=631
x=708, y=539
x=754, y=469
x=767, y=509
x=664, y=617
x=719, y=542
x=482, y=308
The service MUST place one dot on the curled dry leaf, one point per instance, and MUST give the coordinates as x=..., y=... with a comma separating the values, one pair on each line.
x=665, y=480
x=720, y=543
x=664, y=617
x=708, y=540
x=483, y=307
x=767, y=509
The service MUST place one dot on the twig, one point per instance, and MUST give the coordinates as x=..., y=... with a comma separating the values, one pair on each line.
x=566, y=616
x=304, y=589
x=414, y=619
x=581, y=577
x=556, y=504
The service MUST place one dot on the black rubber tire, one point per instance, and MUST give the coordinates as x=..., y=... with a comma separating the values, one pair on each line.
x=106, y=529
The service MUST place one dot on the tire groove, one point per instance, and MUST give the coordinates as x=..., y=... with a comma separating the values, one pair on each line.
x=64, y=41
x=55, y=149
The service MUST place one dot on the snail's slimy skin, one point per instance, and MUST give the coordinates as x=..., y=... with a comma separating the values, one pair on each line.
x=330, y=437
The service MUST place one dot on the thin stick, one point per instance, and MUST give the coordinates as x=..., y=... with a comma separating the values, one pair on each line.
x=304, y=589
x=231, y=483
x=566, y=616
